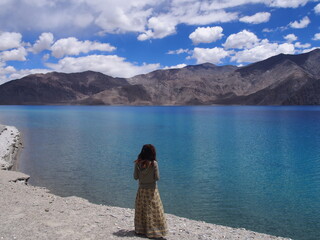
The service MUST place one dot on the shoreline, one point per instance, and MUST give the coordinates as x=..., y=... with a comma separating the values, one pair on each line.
x=30, y=212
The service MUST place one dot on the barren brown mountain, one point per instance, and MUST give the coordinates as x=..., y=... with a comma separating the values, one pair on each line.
x=279, y=80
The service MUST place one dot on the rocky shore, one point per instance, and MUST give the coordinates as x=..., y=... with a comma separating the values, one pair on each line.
x=28, y=212
x=10, y=145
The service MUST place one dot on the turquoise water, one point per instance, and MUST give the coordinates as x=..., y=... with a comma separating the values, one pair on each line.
x=251, y=167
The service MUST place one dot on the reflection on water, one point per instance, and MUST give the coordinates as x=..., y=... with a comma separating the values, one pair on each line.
x=251, y=167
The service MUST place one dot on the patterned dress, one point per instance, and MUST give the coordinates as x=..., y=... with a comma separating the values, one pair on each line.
x=149, y=214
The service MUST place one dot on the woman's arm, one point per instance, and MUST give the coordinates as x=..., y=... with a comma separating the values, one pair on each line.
x=156, y=171
x=136, y=174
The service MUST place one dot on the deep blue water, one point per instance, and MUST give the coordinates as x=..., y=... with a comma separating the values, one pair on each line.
x=251, y=167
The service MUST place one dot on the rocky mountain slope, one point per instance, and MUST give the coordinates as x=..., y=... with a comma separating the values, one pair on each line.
x=56, y=88
x=279, y=80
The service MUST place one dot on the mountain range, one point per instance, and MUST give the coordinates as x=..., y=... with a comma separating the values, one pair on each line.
x=279, y=80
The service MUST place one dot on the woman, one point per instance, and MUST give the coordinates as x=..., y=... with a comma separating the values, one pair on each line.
x=149, y=216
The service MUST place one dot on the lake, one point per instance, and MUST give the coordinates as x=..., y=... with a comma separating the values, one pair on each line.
x=251, y=167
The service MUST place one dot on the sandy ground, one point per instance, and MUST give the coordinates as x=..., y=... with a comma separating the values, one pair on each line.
x=28, y=212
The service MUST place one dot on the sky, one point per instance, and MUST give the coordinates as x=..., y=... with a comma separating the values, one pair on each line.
x=124, y=38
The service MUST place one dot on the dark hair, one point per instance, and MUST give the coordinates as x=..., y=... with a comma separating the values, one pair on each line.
x=148, y=152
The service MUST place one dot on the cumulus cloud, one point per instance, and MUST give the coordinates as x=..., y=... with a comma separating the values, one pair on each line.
x=317, y=9
x=243, y=39
x=300, y=24
x=212, y=55
x=316, y=37
x=145, y=36
x=18, y=54
x=149, y=19
x=5, y=70
x=159, y=27
x=182, y=65
x=43, y=43
x=9, y=40
x=206, y=34
x=52, y=15
x=122, y=16
x=108, y=64
x=290, y=37
x=300, y=45
x=186, y=12
x=178, y=51
x=72, y=46
x=164, y=25
x=264, y=50
x=257, y=18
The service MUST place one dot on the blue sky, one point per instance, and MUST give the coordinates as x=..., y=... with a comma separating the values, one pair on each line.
x=124, y=38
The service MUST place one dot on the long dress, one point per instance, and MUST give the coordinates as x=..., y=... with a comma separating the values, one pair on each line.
x=149, y=214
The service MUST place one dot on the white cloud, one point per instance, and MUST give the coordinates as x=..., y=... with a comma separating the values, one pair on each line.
x=290, y=37
x=45, y=57
x=72, y=46
x=165, y=24
x=300, y=24
x=39, y=3
x=212, y=55
x=309, y=49
x=243, y=39
x=52, y=15
x=108, y=64
x=145, y=36
x=317, y=9
x=216, y=4
x=122, y=16
x=159, y=27
x=18, y=54
x=43, y=43
x=206, y=34
x=207, y=17
x=179, y=51
x=182, y=65
x=10, y=73
x=9, y=40
x=25, y=72
x=183, y=12
x=267, y=30
x=262, y=51
x=7, y=70
x=300, y=45
x=316, y=37
x=257, y=18
x=162, y=26
x=287, y=3
x=149, y=19
x=83, y=20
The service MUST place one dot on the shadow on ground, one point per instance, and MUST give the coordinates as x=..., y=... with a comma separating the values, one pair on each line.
x=124, y=233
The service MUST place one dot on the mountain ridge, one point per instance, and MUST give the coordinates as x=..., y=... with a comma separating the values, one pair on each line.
x=279, y=80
